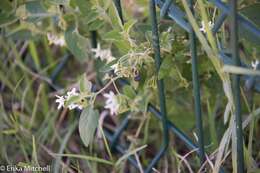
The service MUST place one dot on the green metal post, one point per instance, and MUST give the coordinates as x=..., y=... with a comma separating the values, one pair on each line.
x=196, y=92
x=236, y=86
x=160, y=86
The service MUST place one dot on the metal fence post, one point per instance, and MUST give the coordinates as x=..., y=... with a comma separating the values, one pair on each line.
x=236, y=86
x=160, y=86
x=196, y=91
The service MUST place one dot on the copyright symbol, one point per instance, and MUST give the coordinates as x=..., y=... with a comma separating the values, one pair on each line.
x=2, y=168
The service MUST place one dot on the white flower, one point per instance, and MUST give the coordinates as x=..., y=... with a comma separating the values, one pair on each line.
x=103, y=54
x=111, y=102
x=203, y=28
x=71, y=93
x=60, y=100
x=255, y=64
x=56, y=40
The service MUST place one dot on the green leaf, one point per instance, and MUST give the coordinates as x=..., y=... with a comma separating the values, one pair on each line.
x=91, y=17
x=84, y=6
x=123, y=46
x=114, y=35
x=166, y=66
x=84, y=84
x=88, y=123
x=72, y=99
x=95, y=25
x=129, y=91
x=128, y=26
x=77, y=44
x=90, y=21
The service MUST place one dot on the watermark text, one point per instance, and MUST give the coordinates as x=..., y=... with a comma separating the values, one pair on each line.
x=25, y=168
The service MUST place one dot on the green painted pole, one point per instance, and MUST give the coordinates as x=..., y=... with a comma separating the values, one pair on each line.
x=160, y=86
x=196, y=92
x=236, y=86
x=196, y=95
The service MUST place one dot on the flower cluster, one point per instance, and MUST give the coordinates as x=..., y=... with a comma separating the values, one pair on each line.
x=112, y=102
x=103, y=54
x=56, y=40
x=61, y=100
x=203, y=28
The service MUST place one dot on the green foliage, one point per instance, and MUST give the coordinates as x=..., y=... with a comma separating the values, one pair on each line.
x=28, y=110
x=129, y=91
x=84, y=84
x=77, y=44
x=88, y=123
